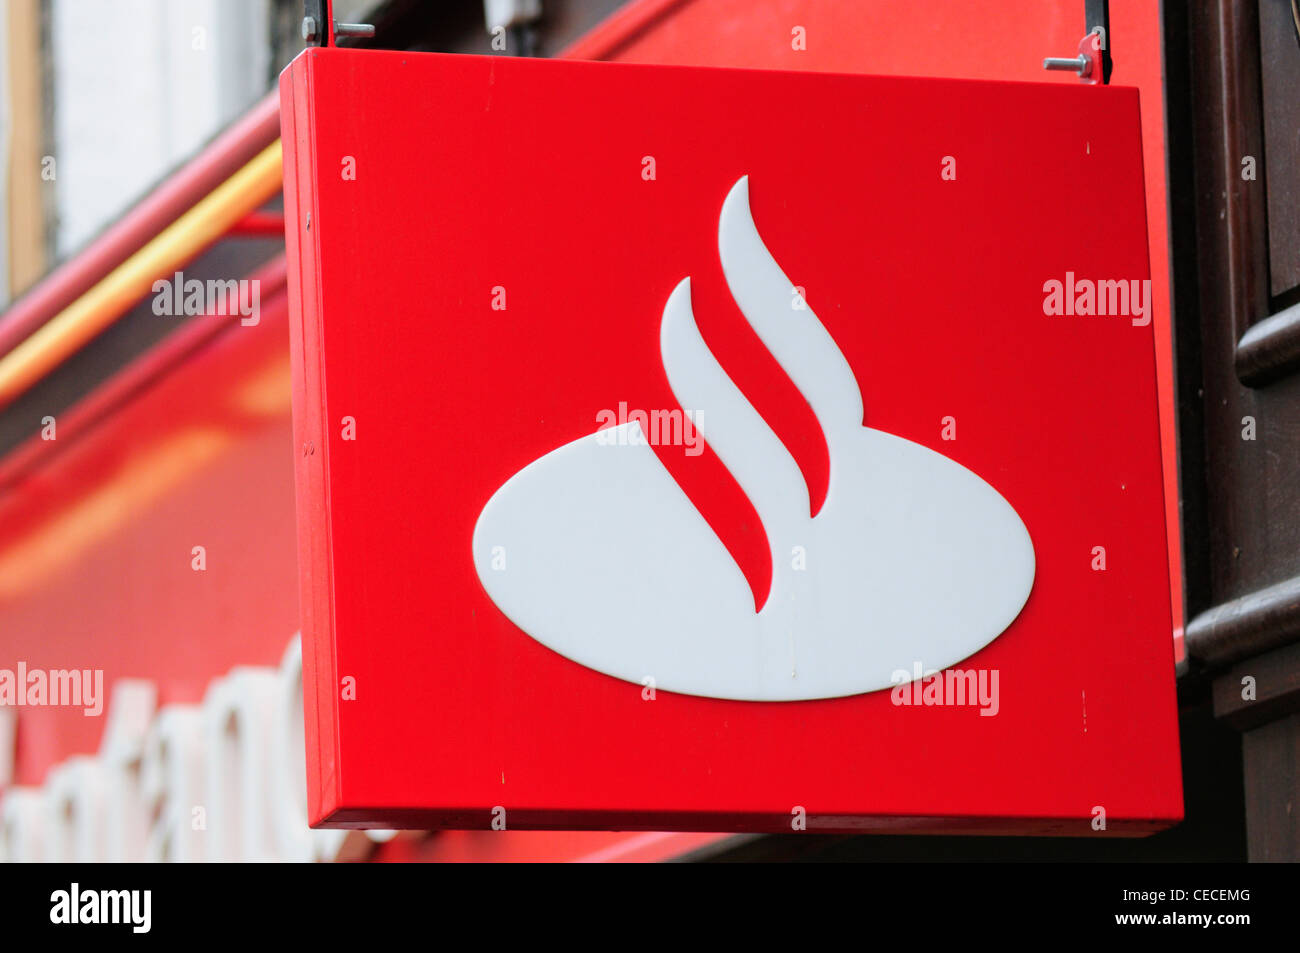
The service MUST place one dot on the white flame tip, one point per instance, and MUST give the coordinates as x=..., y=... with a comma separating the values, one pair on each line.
x=739, y=192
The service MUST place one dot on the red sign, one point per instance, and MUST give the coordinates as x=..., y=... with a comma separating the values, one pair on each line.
x=724, y=450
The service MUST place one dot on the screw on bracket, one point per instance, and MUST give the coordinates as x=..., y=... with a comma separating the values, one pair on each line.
x=1093, y=64
x=1079, y=64
x=354, y=29
x=1089, y=65
x=317, y=20
x=311, y=30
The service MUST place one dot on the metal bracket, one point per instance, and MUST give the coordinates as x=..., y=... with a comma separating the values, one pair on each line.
x=320, y=29
x=317, y=14
x=1093, y=64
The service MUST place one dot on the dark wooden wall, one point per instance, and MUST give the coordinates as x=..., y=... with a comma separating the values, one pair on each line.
x=1235, y=217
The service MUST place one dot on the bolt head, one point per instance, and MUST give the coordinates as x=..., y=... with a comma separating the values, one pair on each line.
x=309, y=29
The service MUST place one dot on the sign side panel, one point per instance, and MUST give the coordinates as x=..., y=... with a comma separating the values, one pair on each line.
x=320, y=714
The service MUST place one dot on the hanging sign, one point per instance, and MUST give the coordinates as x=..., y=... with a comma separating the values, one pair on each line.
x=724, y=450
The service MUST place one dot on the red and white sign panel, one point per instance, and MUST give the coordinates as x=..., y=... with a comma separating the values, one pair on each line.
x=724, y=450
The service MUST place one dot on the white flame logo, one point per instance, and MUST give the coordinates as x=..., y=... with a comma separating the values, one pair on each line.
x=911, y=557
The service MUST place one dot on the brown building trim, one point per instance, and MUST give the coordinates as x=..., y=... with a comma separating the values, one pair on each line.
x=1238, y=354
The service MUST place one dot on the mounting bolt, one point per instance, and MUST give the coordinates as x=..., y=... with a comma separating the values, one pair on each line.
x=354, y=29
x=1081, y=65
x=309, y=29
